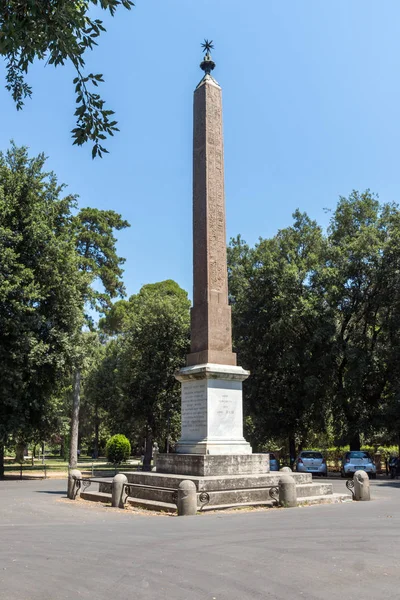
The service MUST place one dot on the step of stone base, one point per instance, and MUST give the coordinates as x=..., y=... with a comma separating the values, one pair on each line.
x=329, y=499
x=171, y=508
x=314, y=489
x=152, y=505
x=164, y=506
x=222, y=497
x=320, y=499
x=96, y=496
x=265, y=504
x=213, y=483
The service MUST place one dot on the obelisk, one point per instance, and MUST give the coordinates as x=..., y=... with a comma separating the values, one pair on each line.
x=211, y=337
x=212, y=414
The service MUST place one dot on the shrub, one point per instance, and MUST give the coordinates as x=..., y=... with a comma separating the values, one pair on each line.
x=118, y=449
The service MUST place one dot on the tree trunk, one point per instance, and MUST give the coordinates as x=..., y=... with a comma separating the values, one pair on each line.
x=148, y=453
x=1, y=458
x=76, y=399
x=19, y=452
x=168, y=428
x=292, y=450
x=96, y=433
x=354, y=441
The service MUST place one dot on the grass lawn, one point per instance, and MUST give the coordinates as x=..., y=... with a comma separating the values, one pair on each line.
x=54, y=465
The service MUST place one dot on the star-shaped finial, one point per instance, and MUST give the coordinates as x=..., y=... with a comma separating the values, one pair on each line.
x=207, y=46
x=207, y=64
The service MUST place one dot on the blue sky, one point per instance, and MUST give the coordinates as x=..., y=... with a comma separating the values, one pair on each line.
x=311, y=111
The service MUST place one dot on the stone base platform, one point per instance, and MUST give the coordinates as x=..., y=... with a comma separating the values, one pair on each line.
x=203, y=465
x=157, y=491
x=222, y=481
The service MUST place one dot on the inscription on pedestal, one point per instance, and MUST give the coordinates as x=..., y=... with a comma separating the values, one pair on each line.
x=225, y=415
x=194, y=410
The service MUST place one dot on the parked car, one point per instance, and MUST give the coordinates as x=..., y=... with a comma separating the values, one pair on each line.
x=273, y=462
x=310, y=461
x=394, y=466
x=358, y=460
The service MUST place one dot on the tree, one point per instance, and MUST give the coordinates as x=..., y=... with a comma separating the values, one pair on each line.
x=50, y=260
x=99, y=262
x=58, y=32
x=316, y=318
x=282, y=330
x=88, y=351
x=96, y=246
x=41, y=292
x=103, y=402
x=151, y=348
x=360, y=282
x=389, y=409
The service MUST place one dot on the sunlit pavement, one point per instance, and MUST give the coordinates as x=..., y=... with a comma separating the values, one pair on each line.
x=54, y=549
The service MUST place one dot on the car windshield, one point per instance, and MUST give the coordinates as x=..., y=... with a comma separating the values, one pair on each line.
x=358, y=455
x=311, y=455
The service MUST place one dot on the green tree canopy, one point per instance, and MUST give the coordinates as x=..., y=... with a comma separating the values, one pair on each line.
x=57, y=32
x=152, y=345
x=41, y=289
x=360, y=283
x=316, y=320
x=51, y=259
x=96, y=247
x=281, y=330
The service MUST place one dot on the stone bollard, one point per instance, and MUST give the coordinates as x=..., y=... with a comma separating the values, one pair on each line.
x=74, y=488
x=118, y=490
x=361, y=486
x=287, y=491
x=187, y=499
x=286, y=470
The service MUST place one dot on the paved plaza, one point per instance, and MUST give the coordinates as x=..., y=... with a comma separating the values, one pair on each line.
x=55, y=549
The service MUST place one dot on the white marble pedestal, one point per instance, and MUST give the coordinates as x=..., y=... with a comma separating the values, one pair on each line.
x=212, y=410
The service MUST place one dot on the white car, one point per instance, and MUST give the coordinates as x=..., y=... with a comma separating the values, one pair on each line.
x=309, y=461
x=358, y=460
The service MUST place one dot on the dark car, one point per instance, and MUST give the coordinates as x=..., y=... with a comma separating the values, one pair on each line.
x=394, y=466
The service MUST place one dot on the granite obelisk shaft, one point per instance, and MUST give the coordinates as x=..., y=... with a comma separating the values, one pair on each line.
x=212, y=408
x=211, y=334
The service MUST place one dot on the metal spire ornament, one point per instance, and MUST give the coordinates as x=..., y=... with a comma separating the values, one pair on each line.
x=207, y=63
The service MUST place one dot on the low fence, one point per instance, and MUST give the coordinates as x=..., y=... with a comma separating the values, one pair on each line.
x=20, y=471
x=93, y=469
x=43, y=471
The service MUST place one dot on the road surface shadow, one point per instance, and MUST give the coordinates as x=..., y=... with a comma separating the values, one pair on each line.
x=393, y=483
x=59, y=492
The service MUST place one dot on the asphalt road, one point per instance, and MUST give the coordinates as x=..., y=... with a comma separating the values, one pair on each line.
x=54, y=549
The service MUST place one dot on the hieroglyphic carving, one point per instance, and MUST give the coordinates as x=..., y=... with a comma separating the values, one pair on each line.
x=210, y=315
x=215, y=191
x=199, y=199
